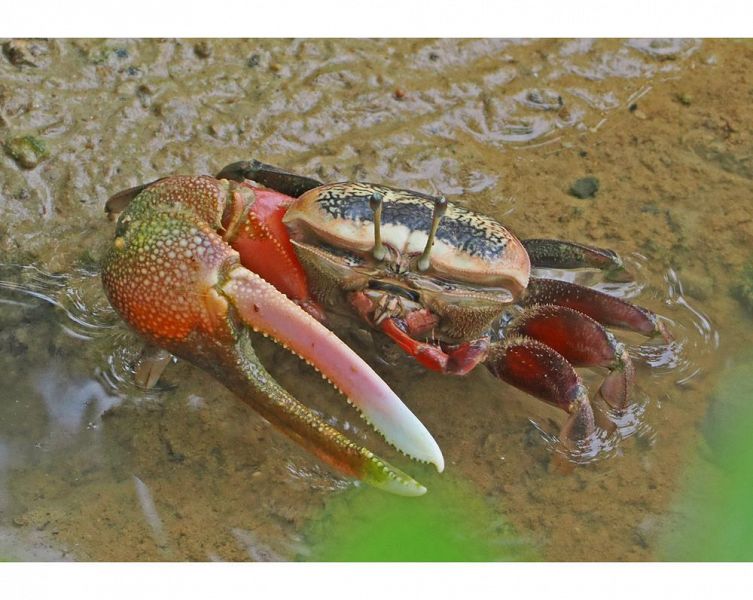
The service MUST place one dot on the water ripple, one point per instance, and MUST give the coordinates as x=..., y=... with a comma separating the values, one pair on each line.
x=83, y=313
x=694, y=337
x=78, y=295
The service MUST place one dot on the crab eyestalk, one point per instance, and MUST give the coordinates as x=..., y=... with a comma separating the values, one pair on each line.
x=440, y=208
x=375, y=202
x=174, y=279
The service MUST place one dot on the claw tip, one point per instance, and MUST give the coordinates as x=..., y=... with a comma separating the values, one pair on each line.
x=438, y=462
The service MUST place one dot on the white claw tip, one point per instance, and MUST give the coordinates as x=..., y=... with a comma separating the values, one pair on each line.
x=438, y=461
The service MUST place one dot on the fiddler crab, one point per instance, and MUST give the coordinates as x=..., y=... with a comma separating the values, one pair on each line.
x=198, y=263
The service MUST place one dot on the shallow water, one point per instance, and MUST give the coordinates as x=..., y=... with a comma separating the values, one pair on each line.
x=93, y=468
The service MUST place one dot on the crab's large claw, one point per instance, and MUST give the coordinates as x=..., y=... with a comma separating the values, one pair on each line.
x=176, y=282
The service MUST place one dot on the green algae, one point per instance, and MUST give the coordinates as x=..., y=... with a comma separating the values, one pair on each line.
x=28, y=151
x=450, y=523
x=743, y=291
x=716, y=504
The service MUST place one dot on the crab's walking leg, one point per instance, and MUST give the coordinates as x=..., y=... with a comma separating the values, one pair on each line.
x=541, y=371
x=561, y=254
x=606, y=309
x=151, y=365
x=583, y=342
x=269, y=176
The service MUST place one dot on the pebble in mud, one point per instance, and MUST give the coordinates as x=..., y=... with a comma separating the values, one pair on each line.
x=18, y=53
x=202, y=49
x=28, y=151
x=684, y=98
x=585, y=187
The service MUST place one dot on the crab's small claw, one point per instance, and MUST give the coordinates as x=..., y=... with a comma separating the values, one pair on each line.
x=173, y=278
x=460, y=360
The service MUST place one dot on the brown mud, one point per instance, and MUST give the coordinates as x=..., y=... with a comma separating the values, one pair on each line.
x=93, y=469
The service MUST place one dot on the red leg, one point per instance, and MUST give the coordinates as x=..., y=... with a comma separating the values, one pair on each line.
x=606, y=309
x=458, y=361
x=583, y=342
x=537, y=369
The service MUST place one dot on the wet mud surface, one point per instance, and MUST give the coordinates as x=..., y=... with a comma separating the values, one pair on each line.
x=92, y=468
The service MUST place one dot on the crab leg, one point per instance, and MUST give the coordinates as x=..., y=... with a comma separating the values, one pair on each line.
x=583, y=342
x=176, y=281
x=270, y=176
x=152, y=363
x=606, y=309
x=561, y=254
x=540, y=371
x=118, y=202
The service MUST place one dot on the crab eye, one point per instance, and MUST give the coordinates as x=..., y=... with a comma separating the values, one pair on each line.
x=122, y=228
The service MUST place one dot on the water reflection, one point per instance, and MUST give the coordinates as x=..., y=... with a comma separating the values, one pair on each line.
x=149, y=510
x=695, y=337
x=61, y=331
x=72, y=405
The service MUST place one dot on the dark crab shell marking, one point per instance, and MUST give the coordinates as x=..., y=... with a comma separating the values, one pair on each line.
x=468, y=246
x=467, y=231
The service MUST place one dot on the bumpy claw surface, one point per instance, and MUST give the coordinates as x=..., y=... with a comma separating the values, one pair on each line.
x=175, y=280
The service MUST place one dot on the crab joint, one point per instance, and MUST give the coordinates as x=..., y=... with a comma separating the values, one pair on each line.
x=440, y=208
x=376, y=202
